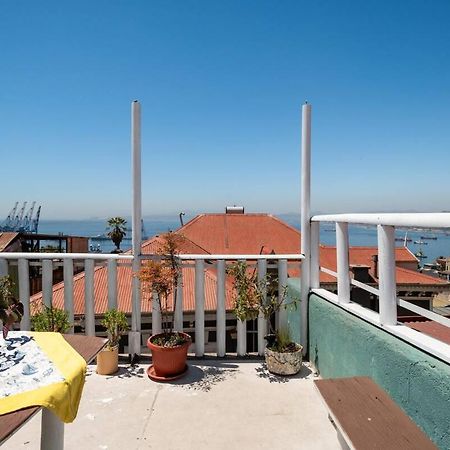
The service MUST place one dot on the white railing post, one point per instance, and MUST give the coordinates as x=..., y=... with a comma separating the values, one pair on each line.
x=112, y=283
x=47, y=281
x=134, y=336
x=89, y=308
x=68, y=290
x=315, y=255
x=262, y=321
x=178, y=313
x=387, y=282
x=156, y=314
x=305, y=222
x=199, y=308
x=241, y=330
x=24, y=293
x=52, y=431
x=282, y=286
x=221, y=313
x=3, y=267
x=343, y=281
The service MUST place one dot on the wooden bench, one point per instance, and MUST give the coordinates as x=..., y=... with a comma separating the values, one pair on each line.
x=365, y=417
x=87, y=347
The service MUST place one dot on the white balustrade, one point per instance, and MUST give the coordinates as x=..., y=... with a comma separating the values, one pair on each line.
x=24, y=293
x=68, y=290
x=343, y=284
x=199, y=307
x=262, y=321
x=387, y=283
x=221, y=311
x=89, y=309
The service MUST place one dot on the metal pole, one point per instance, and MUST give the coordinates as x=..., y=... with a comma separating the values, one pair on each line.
x=135, y=333
x=305, y=222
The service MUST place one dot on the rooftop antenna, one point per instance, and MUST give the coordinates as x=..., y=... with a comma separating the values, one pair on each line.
x=181, y=217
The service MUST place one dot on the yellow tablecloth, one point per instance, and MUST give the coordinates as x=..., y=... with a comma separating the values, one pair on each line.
x=63, y=397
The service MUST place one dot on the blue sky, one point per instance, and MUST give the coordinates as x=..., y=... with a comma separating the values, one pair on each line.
x=221, y=86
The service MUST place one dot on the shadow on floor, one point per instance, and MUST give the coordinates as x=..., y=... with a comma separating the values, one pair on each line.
x=262, y=372
x=205, y=377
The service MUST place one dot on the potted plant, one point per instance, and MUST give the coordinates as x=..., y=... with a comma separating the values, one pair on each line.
x=169, y=348
x=116, y=324
x=253, y=297
x=48, y=318
x=11, y=310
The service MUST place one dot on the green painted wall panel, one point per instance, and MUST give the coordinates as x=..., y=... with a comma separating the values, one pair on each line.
x=344, y=345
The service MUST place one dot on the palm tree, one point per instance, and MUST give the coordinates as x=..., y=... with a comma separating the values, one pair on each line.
x=117, y=231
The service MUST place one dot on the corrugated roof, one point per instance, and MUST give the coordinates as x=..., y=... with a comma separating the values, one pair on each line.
x=433, y=329
x=6, y=238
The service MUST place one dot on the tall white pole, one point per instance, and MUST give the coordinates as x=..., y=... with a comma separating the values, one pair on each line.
x=136, y=219
x=305, y=222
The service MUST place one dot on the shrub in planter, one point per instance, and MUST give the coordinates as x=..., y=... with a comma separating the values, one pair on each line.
x=253, y=297
x=116, y=325
x=48, y=318
x=169, y=348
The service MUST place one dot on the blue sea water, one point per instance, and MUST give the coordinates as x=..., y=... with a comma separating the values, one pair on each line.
x=359, y=236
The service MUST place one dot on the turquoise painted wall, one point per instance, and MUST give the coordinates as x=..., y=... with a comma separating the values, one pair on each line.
x=342, y=345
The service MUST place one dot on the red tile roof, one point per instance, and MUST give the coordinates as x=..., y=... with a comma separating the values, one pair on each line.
x=433, y=329
x=242, y=234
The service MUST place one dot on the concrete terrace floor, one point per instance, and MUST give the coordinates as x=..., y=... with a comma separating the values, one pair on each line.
x=217, y=405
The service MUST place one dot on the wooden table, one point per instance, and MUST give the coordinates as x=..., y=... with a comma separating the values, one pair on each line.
x=366, y=418
x=87, y=347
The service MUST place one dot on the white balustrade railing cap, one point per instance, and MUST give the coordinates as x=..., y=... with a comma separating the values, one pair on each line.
x=31, y=255
x=418, y=220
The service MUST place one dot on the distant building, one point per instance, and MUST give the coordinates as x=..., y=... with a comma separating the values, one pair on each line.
x=33, y=242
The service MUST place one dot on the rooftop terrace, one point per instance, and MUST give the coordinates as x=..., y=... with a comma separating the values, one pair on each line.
x=219, y=405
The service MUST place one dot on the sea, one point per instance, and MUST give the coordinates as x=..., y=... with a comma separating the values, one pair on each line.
x=432, y=244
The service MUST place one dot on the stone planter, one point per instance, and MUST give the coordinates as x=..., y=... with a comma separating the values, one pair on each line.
x=288, y=363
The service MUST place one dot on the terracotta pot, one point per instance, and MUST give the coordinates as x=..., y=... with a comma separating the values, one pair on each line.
x=168, y=362
x=108, y=361
x=288, y=363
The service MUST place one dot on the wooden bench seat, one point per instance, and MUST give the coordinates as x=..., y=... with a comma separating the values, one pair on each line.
x=365, y=417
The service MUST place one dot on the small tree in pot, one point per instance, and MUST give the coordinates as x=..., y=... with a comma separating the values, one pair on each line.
x=253, y=297
x=116, y=325
x=169, y=348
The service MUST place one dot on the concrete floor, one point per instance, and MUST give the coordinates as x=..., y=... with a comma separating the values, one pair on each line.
x=217, y=405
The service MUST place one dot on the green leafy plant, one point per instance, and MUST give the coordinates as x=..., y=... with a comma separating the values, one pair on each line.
x=116, y=325
x=11, y=310
x=117, y=231
x=162, y=278
x=253, y=296
x=48, y=318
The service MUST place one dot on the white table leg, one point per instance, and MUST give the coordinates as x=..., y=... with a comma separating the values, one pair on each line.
x=52, y=431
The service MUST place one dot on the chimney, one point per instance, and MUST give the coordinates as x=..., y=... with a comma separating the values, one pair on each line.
x=234, y=209
x=375, y=266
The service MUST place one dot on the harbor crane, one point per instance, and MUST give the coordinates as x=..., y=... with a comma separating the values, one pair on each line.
x=21, y=222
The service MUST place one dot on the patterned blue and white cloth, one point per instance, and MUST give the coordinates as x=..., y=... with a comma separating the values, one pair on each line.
x=24, y=366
